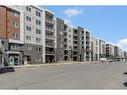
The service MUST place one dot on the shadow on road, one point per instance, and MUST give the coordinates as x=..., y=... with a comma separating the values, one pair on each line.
x=7, y=70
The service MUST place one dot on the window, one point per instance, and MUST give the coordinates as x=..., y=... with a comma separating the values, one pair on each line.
x=38, y=22
x=69, y=47
x=60, y=26
x=15, y=24
x=70, y=36
x=28, y=37
x=38, y=49
x=14, y=35
x=28, y=47
x=38, y=14
x=28, y=28
x=16, y=14
x=28, y=9
x=14, y=46
x=38, y=40
x=38, y=31
x=28, y=18
x=69, y=30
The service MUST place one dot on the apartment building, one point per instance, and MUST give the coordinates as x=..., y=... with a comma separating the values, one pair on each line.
x=69, y=45
x=116, y=51
x=102, y=49
x=125, y=55
x=49, y=37
x=61, y=40
x=78, y=44
x=11, y=34
x=33, y=34
x=39, y=34
x=75, y=44
x=66, y=52
x=121, y=54
x=64, y=36
x=94, y=49
x=87, y=45
x=109, y=51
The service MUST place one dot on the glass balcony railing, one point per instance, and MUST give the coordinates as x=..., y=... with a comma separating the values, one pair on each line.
x=49, y=36
x=50, y=52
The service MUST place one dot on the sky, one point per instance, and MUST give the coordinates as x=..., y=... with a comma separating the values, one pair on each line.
x=106, y=22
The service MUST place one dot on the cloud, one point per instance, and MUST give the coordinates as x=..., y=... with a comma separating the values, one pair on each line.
x=72, y=12
x=68, y=22
x=123, y=44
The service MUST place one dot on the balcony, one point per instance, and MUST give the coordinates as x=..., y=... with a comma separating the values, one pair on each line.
x=65, y=47
x=87, y=33
x=75, y=39
x=50, y=37
x=65, y=53
x=75, y=55
x=87, y=56
x=48, y=28
x=75, y=44
x=50, y=52
x=87, y=38
x=75, y=34
x=65, y=41
x=75, y=49
x=49, y=20
x=50, y=45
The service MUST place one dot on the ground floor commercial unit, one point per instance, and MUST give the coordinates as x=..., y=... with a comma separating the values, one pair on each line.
x=19, y=54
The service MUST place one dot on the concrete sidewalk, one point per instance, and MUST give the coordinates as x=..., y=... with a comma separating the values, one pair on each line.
x=47, y=64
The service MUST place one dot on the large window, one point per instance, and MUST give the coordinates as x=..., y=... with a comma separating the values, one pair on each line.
x=28, y=8
x=38, y=40
x=28, y=47
x=38, y=49
x=14, y=35
x=38, y=31
x=28, y=37
x=28, y=18
x=38, y=22
x=15, y=24
x=28, y=28
x=38, y=14
x=14, y=46
x=16, y=14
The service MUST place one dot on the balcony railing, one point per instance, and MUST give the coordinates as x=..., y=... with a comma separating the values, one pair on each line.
x=87, y=38
x=50, y=52
x=75, y=49
x=50, y=37
x=49, y=28
x=49, y=19
x=50, y=45
x=75, y=44
x=75, y=34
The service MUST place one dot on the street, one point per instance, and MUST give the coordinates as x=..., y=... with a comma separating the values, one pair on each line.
x=71, y=76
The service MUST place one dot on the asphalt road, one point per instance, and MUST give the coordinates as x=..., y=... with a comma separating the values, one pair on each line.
x=72, y=76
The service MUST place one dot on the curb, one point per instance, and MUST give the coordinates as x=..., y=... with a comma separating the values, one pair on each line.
x=46, y=65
